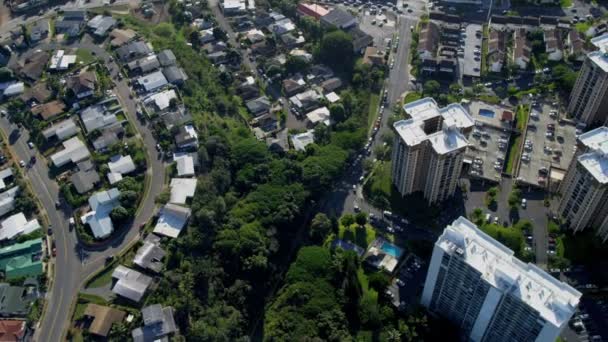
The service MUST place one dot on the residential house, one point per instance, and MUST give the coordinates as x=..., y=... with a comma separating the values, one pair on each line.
x=202, y=23
x=16, y=225
x=215, y=47
x=71, y=22
x=120, y=37
x=373, y=56
x=153, y=81
x=119, y=166
x=338, y=18
x=100, y=25
x=319, y=115
x=39, y=93
x=74, y=151
x=305, y=101
x=22, y=259
x=7, y=200
x=185, y=163
x=49, y=110
x=331, y=84
x=86, y=178
x=12, y=88
x=554, y=44
x=206, y=36
x=282, y=27
x=61, y=61
x=133, y=50
x=182, y=189
x=109, y=136
x=12, y=330
x=167, y=58
x=575, y=45
x=361, y=40
x=301, y=140
x=161, y=101
x=301, y=54
x=98, y=219
x=428, y=45
x=294, y=85
x=99, y=116
x=6, y=178
x=258, y=106
x=319, y=73
x=143, y=65
x=220, y=57
x=254, y=35
x=16, y=301
x=233, y=7
x=175, y=75
x=291, y=41
x=311, y=10
x=158, y=324
x=150, y=255
x=248, y=91
x=61, y=130
x=497, y=49
x=129, y=283
x=177, y=117
x=521, y=49
x=83, y=84
x=172, y=220
x=100, y=319
x=32, y=65
x=40, y=30
x=186, y=137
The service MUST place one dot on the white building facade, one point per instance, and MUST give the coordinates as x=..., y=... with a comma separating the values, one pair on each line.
x=491, y=296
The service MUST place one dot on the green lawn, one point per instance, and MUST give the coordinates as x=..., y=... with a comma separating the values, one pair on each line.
x=513, y=153
x=565, y=3
x=484, y=50
x=582, y=26
x=374, y=102
x=362, y=237
x=102, y=278
x=85, y=56
x=522, y=117
x=411, y=97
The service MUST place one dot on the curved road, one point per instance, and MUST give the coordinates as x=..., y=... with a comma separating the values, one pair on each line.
x=75, y=263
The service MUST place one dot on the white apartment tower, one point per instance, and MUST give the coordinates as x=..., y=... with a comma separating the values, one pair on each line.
x=429, y=149
x=584, y=189
x=589, y=97
x=476, y=283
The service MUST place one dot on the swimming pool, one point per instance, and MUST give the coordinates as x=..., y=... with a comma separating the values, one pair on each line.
x=391, y=249
x=487, y=113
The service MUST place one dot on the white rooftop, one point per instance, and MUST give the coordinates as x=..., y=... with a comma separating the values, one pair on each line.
x=184, y=163
x=121, y=164
x=98, y=218
x=181, y=189
x=8, y=172
x=410, y=131
x=447, y=140
x=300, y=141
x=130, y=283
x=555, y=301
x=172, y=220
x=319, y=115
x=332, y=97
x=600, y=57
x=596, y=160
x=16, y=225
x=74, y=150
x=161, y=99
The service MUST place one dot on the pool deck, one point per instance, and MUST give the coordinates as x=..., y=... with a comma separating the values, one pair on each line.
x=475, y=106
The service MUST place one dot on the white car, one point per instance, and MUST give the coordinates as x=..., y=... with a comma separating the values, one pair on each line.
x=21, y=163
x=524, y=203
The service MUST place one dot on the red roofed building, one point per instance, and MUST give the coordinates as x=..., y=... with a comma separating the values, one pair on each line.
x=507, y=116
x=12, y=330
x=312, y=10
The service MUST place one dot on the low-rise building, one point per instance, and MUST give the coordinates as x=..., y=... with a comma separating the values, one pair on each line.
x=184, y=164
x=100, y=25
x=301, y=140
x=98, y=219
x=119, y=165
x=175, y=75
x=49, y=110
x=83, y=84
x=554, y=44
x=16, y=301
x=521, y=49
x=74, y=151
x=144, y=65
x=16, y=225
x=6, y=178
x=152, y=81
x=100, y=319
x=130, y=284
x=182, y=189
x=497, y=49
x=150, y=255
x=311, y=10
x=22, y=259
x=61, y=61
x=12, y=330
x=258, y=106
x=338, y=18
x=40, y=30
x=319, y=115
x=158, y=324
x=172, y=220
x=7, y=200
x=86, y=178
x=133, y=50
x=61, y=130
x=120, y=37
x=186, y=137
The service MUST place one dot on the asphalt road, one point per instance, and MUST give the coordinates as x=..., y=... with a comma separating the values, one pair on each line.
x=74, y=262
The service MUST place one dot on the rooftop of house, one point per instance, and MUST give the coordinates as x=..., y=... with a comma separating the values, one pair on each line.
x=103, y=318
x=172, y=220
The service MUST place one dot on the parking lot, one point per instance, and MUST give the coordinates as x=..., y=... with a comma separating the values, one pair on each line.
x=408, y=283
x=470, y=64
x=488, y=141
x=380, y=26
x=548, y=143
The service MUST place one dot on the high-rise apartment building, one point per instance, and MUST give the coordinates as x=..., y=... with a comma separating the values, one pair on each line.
x=429, y=147
x=584, y=189
x=589, y=97
x=476, y=283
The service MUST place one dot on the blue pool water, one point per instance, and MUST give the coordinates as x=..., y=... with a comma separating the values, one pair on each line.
x=391, y=249
x=487, y=113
